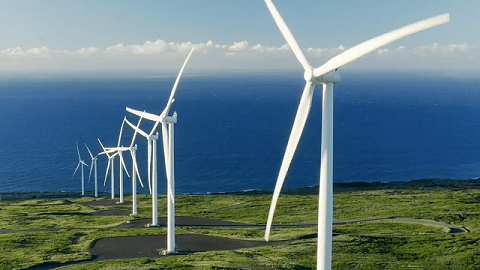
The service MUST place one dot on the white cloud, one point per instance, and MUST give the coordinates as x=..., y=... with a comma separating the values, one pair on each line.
x=449, y=50
x=239, y=46
x=19, y=52
x=325, y=52
x=238, y=55
x=83, y=52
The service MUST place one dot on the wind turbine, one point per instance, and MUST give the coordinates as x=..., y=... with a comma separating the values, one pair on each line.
x=119, y=151
x=135, y=172
x=92, y=166
x=168, y=151
x=121, y=161
x=132, y=149
x=80, y=163
x=326, y=75
x=111, y=153
x=152, y=179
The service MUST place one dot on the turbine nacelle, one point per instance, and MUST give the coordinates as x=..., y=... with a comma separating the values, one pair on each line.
x=170, y=119
x=153, y=137
x=330, y=77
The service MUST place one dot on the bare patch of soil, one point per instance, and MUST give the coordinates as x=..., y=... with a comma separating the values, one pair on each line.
x=151, y=245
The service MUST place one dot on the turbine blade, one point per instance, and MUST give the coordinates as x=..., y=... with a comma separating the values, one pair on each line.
x=146, y=115
x=89, y=151
x=104, y=150
x=165, y=141
x=377, y=42
x=91, y=169
x=138, y=130
x=122, y=163
x=149, y=143
x=175, y=85
x=297, y=129
x=288, y=35
x=81, y=161
x=78, y=165
x=91, y=164
x=121, y=131
x=166, y=149
x=78, y=152
x=106, y=173
x=135, y=133
x=134, y=160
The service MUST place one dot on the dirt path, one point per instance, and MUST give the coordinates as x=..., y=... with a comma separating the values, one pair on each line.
x=453, y=228
x=205, y=222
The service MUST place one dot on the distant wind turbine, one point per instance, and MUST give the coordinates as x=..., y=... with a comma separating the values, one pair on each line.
x=152, y=172
x=168, y=150
x=132, y=149
x=120, y=150
x=326, y=75
x=93, y=166
x=111, y=153
x=80, y=163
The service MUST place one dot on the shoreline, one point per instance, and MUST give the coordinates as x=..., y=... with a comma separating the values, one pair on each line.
x=426, y=183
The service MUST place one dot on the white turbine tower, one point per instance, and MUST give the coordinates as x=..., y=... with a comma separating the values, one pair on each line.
x=80, y=163
x=135, y=173
x=325, y=75
x=111, y=153
x=92, y=166
x=168, y=151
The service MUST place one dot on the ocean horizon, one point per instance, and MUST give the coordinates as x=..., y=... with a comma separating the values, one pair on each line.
x=232, y=129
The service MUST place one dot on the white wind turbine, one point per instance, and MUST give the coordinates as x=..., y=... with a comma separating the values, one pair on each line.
x=80, y=163
x=111, y=153
x=168, y=151
x=326, y=75
x=120, y=150
x=133, y=150
x=92, y=166
x=152, y=172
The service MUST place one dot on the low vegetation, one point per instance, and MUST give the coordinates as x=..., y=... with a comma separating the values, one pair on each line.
x=425, y=224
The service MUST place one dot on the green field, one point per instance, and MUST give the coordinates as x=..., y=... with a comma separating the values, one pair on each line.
x=425, y=224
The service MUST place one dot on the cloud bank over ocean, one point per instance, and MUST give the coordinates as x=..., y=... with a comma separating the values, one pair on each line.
x=240, y=55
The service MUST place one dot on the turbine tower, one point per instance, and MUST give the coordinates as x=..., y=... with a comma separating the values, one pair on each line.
x=168, y=151
x=93, y=165
x=327, y=76
x=80, y=163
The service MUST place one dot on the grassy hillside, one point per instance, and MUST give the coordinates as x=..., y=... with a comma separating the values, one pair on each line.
x=412, y=228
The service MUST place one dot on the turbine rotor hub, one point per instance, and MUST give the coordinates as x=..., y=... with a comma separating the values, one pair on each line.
x=308, y=75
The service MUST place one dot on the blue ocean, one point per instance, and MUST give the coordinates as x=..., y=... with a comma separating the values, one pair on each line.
x=233, y=128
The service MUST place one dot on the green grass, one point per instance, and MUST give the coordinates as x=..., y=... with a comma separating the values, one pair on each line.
x=381, y=244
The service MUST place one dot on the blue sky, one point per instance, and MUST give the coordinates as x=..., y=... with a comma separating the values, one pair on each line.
x=92, y=35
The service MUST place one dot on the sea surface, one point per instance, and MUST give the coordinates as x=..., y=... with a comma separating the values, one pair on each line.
x=232, y=129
